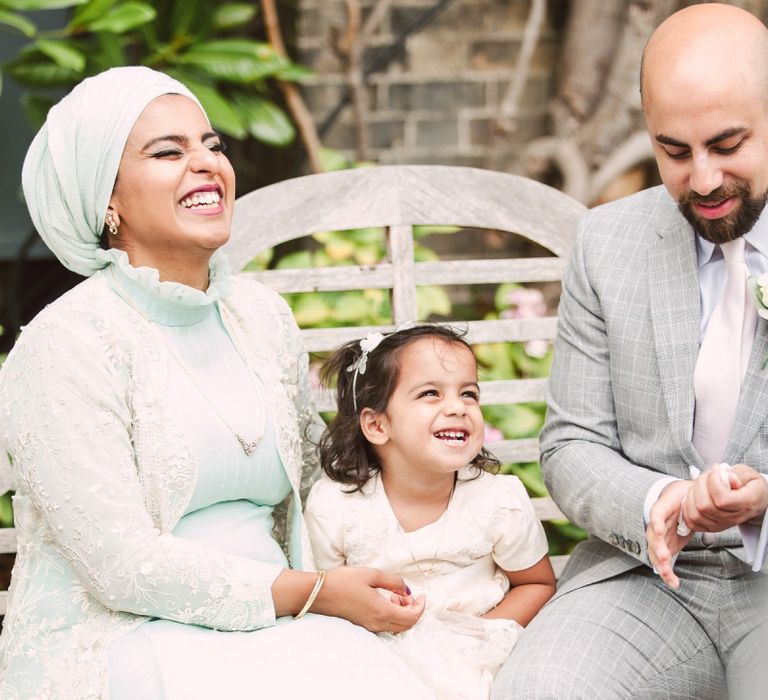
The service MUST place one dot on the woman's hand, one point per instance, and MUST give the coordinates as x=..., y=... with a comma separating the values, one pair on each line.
x=351, y=593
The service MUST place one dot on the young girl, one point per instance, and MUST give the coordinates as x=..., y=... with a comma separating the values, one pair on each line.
x=407, y=490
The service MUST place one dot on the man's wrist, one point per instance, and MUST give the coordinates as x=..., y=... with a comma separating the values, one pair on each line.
x=653, y=495
x=758, y=520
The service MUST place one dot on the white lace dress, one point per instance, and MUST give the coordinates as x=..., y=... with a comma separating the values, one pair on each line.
x=145, y=531
x=489, y=524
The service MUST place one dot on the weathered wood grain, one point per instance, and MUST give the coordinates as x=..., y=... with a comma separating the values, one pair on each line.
x=402, y=195
x=508, y=330
x=403, y=284
x=382, y=276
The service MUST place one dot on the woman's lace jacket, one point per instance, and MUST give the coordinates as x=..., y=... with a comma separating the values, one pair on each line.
x=102, y=475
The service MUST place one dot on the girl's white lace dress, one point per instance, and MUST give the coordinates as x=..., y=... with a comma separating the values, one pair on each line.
x=455, y=561
x=146, y=546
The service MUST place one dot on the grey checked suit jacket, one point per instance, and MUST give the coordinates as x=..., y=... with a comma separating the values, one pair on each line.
x=621, y=391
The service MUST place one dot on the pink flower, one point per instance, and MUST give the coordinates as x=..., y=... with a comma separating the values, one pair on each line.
x=525, y=303
x=536, y=348
x=492, y=434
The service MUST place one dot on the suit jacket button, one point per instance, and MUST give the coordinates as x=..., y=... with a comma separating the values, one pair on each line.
x=636, y=547
x=613, y=539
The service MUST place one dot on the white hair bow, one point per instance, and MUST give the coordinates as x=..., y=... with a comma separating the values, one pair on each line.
x=367, y=345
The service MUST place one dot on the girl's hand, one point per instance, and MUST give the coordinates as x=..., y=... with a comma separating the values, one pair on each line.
x=351, y=593
x=402, y=600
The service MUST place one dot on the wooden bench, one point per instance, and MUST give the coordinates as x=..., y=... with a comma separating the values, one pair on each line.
x=397, y=198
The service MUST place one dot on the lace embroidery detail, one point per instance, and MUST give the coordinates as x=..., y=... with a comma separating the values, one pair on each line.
x=103, y=474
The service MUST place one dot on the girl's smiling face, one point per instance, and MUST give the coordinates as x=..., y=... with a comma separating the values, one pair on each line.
x=432, y=423
x=175, y=189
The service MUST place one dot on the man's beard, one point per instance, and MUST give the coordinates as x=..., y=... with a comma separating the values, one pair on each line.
x=732, y=226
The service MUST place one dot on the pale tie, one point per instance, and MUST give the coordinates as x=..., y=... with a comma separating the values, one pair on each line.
x=723, y=358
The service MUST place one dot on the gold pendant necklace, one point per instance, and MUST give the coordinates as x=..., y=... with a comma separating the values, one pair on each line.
x=426, y=574
x=249, y=446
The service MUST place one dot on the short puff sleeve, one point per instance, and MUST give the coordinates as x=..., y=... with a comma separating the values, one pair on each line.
x=519, y=538
x=324, y=516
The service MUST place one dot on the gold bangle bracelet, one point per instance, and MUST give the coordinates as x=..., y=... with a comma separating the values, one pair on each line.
x=313, y=595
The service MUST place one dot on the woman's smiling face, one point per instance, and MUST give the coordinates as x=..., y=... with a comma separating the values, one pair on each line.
x=175, y=188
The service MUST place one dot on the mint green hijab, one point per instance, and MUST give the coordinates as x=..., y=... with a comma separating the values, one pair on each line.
x=70, y=168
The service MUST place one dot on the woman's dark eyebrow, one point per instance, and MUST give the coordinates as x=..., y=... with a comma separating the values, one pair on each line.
x=181, y=140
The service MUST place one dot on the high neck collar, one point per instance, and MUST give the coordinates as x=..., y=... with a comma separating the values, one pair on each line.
x=166, y=303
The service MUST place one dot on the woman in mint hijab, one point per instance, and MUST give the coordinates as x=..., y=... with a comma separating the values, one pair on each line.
x=155, y=419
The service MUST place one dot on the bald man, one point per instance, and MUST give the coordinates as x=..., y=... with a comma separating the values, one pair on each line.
x=656, y=440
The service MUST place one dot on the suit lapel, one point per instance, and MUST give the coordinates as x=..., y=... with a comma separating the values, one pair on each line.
x=752, y=410
x=674, y=282
x=675, y=310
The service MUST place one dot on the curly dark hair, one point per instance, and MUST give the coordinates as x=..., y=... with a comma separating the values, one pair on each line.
x=346, y=455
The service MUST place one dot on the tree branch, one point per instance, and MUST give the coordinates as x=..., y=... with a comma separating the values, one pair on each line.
x=635, y=150
x=350, y=48
x=566, y=155
x=508, y=110
x=291, y=93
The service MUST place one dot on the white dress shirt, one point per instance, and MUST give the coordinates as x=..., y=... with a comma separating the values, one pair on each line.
x=712, y=281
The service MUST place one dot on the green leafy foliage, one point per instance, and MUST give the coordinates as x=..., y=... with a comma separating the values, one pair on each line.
x=365, y=246
x=234, y=60
x=233, y=15
x=6, y=510
x=265, y=120
x=25, y=5
x=18, y=22
x=123, y=17
x=64, y=54
x=34, y=69
x=206, y=45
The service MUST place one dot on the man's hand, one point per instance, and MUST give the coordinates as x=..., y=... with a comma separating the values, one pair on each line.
x=663, y=541
x=711, y=505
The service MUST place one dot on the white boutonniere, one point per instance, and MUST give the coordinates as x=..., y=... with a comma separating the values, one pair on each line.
x=758, y=286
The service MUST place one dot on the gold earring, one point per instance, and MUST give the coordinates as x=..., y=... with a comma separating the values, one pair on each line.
x=109, y=220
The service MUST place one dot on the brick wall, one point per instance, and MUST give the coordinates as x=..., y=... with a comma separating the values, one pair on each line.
x=436, y=102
